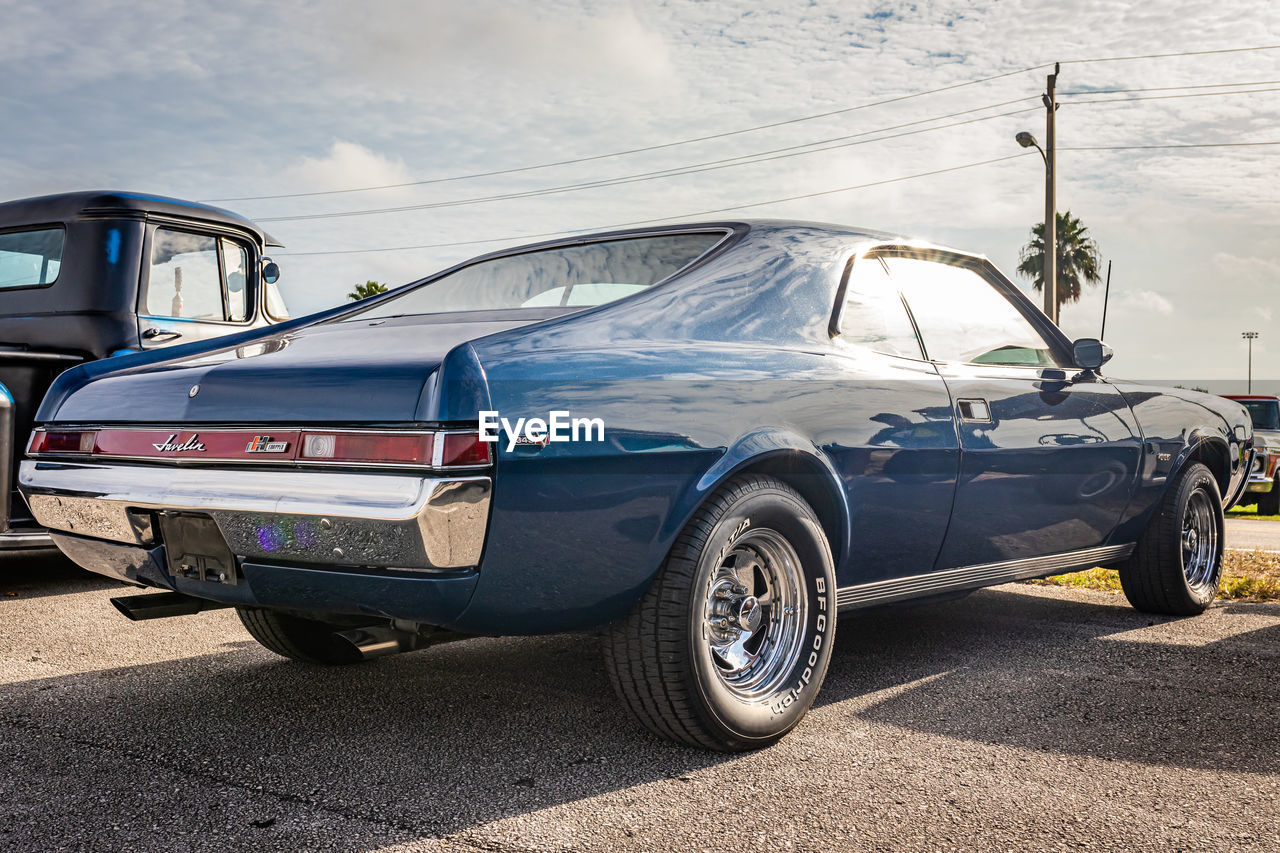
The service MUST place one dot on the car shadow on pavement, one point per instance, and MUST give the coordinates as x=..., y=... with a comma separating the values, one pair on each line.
x=1077, y=677
x=35, y=574
x=462, y=735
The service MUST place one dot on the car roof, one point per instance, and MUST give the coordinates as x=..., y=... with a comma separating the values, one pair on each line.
x=779, y=227
x=63, y=207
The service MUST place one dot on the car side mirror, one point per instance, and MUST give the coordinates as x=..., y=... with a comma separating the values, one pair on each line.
x=270, y=271
x=1090, y=353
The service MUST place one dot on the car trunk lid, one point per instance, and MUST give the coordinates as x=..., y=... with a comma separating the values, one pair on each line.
x=367, y=371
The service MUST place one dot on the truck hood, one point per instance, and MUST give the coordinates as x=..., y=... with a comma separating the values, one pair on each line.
x=370, y=371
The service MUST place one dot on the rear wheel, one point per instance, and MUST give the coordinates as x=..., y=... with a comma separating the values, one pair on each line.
x=728, y=647
x=298, y=638
x=1177, y=566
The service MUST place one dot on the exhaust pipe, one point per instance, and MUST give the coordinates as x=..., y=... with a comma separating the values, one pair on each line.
x=162, y=605
x=374, y=641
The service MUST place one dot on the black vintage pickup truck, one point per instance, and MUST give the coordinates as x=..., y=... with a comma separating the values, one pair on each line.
x=88, y=275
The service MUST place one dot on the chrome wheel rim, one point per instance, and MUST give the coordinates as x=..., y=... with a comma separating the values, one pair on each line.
x=1200, y=541
x=754, y=614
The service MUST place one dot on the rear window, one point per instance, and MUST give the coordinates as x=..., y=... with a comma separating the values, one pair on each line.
x=30, y=258
x=566, y=276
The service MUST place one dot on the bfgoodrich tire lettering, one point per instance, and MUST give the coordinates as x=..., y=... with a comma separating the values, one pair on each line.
x=1177, y=566
x=729, y=646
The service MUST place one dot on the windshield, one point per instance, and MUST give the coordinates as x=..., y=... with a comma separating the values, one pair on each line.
x=1265, y=414
x=566, y=276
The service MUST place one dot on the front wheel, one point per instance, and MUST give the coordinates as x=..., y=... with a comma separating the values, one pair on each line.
x=1177, y=566
x=728, y=647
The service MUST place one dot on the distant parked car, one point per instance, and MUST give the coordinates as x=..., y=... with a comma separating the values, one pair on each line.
x=1264, y=476
x=713, y=438
x=87, y=275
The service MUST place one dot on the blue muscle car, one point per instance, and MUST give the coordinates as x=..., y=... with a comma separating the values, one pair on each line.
x=707, y=440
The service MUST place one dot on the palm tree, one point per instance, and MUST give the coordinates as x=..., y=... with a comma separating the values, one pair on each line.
x=364, y=291
x=1078, y=258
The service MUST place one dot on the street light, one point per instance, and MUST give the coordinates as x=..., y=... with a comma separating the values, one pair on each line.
x=1050, y=239
x=1250, y=337
x=1049, y=276
x=1026, y=140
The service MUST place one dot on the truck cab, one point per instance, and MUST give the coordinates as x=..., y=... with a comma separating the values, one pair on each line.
x=1264, y=479
x=89, y=275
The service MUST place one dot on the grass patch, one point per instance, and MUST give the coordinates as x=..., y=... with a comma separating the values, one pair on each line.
x=1249, y=511
x=1246, y=576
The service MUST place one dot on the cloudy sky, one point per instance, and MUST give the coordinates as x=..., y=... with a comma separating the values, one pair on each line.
x=239, y=99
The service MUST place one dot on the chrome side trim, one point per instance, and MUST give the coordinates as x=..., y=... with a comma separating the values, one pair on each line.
x=972, y=577
x=320, y=517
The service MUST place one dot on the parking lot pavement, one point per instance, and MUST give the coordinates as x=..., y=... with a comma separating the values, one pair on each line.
x=1019, y=718
x=1248, y=533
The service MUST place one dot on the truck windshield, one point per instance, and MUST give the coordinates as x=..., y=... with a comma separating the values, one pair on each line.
x=1265, y=414
x=30, y=258
x=575, y=276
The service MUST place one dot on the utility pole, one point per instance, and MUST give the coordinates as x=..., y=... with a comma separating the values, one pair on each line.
x=1050, y=241
x=1106, y=297
x=1250, y=336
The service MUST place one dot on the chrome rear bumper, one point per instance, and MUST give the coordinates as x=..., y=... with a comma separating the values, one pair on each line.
x=328, y=518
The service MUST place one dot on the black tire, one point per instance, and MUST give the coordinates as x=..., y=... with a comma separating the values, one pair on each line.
x=1162, y=575
x=662, y=657
x=1269, y=502
x=297, y=638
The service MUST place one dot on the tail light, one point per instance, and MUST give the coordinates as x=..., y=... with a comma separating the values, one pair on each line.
x=436, y=449
x=62, y=441
x=385, y=447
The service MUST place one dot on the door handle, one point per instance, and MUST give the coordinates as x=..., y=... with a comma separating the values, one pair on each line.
x=152, y=333
x=974, y=410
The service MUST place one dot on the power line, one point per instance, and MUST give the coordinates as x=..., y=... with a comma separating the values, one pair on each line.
x=667, y=218
x=766, y=156
x=752, y=129
x=697, y=168
x=647, y=148
x=547, y=234
x=1171, y=97
x=1174, y=145
x=1171, y=88
x=1173, y=55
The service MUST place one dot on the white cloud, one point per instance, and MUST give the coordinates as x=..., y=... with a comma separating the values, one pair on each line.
x=348, y=164
x=1146, y=302
x=245, y=98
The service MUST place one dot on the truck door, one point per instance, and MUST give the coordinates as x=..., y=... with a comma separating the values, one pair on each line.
x=197, y=286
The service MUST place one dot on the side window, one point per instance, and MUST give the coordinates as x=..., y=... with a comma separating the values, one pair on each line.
x=30, y=258
x=961, y=317
x=197, y=276
x=235, y=272
x=873, y=313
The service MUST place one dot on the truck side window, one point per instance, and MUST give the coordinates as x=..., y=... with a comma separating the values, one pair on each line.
x=197, y=277
x=235, y=267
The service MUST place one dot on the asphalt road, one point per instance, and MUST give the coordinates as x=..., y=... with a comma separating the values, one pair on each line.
x=1020, y=718
x=1248, y=534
